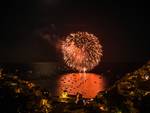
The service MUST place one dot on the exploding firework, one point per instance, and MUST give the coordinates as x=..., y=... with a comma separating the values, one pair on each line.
x=81, y=51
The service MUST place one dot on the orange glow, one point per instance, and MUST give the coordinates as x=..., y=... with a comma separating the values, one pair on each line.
x=81, y=51
x=87, y=84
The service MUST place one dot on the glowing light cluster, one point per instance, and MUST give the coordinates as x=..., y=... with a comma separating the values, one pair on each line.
x=82, y=51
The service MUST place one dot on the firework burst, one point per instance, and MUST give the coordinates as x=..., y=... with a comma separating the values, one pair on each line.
x=81, y=51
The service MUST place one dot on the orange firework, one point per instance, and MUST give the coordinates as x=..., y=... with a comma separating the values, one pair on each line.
x=82, y=51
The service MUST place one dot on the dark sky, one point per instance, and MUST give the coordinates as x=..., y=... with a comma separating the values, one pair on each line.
x=31, y=28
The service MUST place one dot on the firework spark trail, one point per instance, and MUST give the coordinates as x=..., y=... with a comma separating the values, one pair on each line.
x=82, y=51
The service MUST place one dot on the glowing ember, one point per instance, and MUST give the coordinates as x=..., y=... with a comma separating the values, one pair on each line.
x=87, y=84
x=82, y=51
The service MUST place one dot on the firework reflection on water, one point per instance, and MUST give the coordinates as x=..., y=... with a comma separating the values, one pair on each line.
x=87, y=84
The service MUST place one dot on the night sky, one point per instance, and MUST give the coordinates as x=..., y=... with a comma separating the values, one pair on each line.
x=30, y=29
